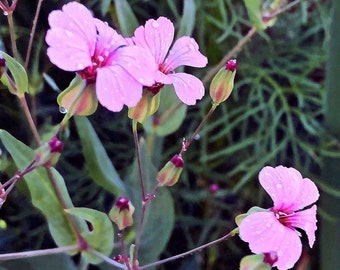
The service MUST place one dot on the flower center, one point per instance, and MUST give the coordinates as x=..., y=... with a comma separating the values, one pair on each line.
x=283, y=218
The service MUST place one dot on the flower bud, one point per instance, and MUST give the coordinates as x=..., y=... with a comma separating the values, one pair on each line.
x=121, y=213
x=170, y=173
x=3, y=195
x=223, y=83
x=255, y=262
x=146, y=107
x=2, y=66
x=48, y=154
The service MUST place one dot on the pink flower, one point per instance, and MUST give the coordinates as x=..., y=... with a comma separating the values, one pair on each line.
x=78, y=42
x=274, y=230
x=156, y=36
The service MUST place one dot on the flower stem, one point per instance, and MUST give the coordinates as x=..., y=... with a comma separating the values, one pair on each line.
x=35, y=253
x=140, y=172
x=106, y=259
x=190, y=252
x=30, y=120
x=188, y=143
x=12, y=35
x=34, y=26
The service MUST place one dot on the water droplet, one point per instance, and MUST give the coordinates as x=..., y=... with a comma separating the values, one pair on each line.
x=258, y=232
x=80, y=66
x=5, y=13
x=155, y=24
x=279, y=186
x=100, y=58
x=268, y=225
x=141, y=80
x=62, y=110
x=192, y=47
x=119, y=235
x=197, y=137
x=69, y=33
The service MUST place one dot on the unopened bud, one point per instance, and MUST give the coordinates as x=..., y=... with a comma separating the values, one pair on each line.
x=48, y=154
x=223, y=83
x=3, y=195
x=146, y=107
x=121, y=213
x=255, y=262
x=170, y=173
x=2, y=66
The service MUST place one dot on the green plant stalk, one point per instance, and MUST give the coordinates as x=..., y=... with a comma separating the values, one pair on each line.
x=330, y=229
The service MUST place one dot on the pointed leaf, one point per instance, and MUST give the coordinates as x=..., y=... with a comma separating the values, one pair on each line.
x=98, y=163
x=126, y=18
x=42, y=192
x=19, y=76
x=101, y=236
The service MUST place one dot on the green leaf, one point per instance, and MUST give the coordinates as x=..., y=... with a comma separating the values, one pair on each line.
x=101, y=237
x=43, y=193
x=126, y=18
x=98, y=163
x=187, y=23
x=169, y=116
x=19, y=76
x=160, y=213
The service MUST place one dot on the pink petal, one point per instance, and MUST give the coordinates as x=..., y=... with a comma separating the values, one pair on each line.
x=72, y=37
x=265, y=233
x=156, y=36
x=288, y=190
x=108, y=39
x=185, y=52
x=305, y=220
x=187, y=87
x=116, y=88
x=137, y=62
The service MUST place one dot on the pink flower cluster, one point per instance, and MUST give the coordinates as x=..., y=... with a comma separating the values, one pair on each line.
x=122, y=67
x=273, y=231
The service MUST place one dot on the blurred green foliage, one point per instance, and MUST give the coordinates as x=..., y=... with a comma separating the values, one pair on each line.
x=274, y=116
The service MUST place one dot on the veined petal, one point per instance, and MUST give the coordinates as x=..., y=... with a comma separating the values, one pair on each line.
x=265, y=233
x=156, y=36
x=138, y=62
x=116, y=88
x=305, y=220
x=288, y=190
x=108, y=39
x=72, y=37
x=184, y=52
x=188, y=88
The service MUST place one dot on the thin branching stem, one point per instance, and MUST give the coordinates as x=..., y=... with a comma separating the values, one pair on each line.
x=34, y=26
x=190, y=252
x=12, y=35
x=35, y=253
x=106, y=259
x=204, y=120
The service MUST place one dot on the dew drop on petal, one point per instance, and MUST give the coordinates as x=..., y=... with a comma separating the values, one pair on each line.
x=141, y=80
x=279, y=186
x=80, y=66
x=5, y=13
x=62, y=110
x=100, y=58
x=69, y=33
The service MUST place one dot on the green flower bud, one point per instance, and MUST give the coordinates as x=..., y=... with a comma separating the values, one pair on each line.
x=223, y=83
x=170, y=173
x=121, y=213
x=146, y=107
x=258, y=261
x=48, y=154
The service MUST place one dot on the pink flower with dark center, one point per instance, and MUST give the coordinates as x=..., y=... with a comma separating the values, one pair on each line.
x=275, y=229
x=78, y=42
x=157, y=36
